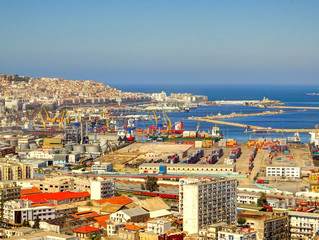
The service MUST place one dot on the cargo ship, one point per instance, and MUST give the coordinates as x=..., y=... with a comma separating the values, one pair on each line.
x=314, y=145
x=215, y=135
x=294, y=139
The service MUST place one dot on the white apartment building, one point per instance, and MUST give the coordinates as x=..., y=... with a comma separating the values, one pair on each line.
x=208, y=202
x=277, y=171
x=236, y=234
x=303, y=225
x=17, y=211
x=158, y=226
x=247, y=198
x=102, y=188
x=106, y=167
x=182, y=182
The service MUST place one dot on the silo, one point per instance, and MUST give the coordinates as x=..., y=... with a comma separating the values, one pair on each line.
x=33, y=146
x=14, y=142
x=92, y=148
x=69, y=147
x=79, y=148
x=24, y=146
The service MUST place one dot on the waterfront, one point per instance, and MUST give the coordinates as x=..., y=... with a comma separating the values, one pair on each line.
x=291, y=95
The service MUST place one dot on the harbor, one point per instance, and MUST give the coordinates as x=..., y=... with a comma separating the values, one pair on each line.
x=257, y=128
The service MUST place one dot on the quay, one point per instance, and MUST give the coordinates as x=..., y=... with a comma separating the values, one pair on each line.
x=239, y=115
x=295, y=107
x=205, y=119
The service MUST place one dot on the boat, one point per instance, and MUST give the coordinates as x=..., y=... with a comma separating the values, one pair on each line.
x=314, y=144
x=312, y=94
x=294, y=139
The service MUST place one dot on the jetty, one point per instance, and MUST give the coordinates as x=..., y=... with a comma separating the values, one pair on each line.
x=206, y=119
x=295, y=107
x=240, y=115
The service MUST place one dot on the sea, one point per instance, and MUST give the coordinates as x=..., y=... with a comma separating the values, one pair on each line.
x=292, y=95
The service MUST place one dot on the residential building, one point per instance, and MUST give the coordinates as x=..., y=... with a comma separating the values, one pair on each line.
x=44, y=236
x=15, y=170
x=130, y=215
x=303, y=225
x=278, y=171
x=274, y=225
x=9, y=190
x=234, y=233
x=87, y=232
x=247, y=198
x=16, y=211
x=158, y=226
x=102, y=188
x=182, y=182
x=209, y=202
x=113, y=227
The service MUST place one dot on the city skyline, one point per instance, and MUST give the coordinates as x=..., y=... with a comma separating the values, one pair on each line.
x=272, y=42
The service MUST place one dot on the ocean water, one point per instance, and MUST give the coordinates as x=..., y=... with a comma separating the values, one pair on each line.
x=291, y=95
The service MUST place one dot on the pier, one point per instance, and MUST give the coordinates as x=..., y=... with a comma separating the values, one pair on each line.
x=239, y=115
x=205, y=119
x=294, y=107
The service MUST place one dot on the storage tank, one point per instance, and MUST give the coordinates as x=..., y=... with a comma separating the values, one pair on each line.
x=79, y=148
x=33, y=146
x=14, y=142
x=24, y=146
x=103, y=143
x=92, y=148
x=294, y=202
x=69, y=147
x=5, y=141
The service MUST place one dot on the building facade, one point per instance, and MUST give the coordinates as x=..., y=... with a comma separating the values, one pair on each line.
x=289, y=172
x=17, y=211
x=8, y=191
x=15, y=170
x=209, y=202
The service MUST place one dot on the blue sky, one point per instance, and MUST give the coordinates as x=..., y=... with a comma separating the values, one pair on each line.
x=178, y=41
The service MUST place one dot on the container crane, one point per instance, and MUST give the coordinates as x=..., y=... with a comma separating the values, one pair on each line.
x=169, y=126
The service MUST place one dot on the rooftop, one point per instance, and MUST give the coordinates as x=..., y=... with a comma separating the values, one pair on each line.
x=86, y=229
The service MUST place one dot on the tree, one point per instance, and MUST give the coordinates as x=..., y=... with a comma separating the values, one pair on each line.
x=151, y=184
x=241, y=220
x=36, y=223
x=26, y=223
x=262, y=200
x=142, y=186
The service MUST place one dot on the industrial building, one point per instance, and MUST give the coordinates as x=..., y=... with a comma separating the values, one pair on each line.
x=207, y=202
x=180, y=168
x=277, y=171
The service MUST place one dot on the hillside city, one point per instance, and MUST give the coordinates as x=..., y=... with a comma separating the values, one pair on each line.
x=76, y=164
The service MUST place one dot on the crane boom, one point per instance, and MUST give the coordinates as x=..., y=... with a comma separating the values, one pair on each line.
x=169, y=127
x=155, y=119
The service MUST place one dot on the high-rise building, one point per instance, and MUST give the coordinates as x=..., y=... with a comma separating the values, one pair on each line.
x=8, y=191
x=207, y=202
x=15, y=170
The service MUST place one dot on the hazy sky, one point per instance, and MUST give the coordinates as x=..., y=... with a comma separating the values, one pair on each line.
x=168, y=41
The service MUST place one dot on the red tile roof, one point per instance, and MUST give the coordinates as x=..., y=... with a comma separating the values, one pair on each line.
x=30, y=191
x=102, y=220
x=121, y=200
x=85, y=214
x=44, y=197
x=132, y=227
x=86, y=229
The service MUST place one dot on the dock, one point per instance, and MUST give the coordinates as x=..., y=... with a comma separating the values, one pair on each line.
x=240, y=115
x=295, y=107
x=205, y=119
